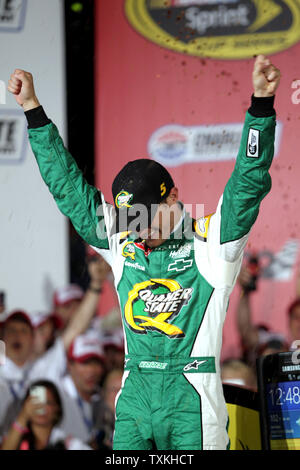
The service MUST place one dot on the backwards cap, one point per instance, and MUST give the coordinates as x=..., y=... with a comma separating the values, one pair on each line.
x=140, y=182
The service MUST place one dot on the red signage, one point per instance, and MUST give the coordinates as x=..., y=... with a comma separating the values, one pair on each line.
x=187, y=111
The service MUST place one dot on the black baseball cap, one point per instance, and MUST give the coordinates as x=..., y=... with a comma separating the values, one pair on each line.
x=137, y=190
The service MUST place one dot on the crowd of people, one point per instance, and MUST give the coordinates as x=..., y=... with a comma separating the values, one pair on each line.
x=61, y=373
x=63, y=369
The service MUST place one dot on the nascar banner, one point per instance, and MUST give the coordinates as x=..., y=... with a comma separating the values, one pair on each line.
x=33, y=248
x=173, y=83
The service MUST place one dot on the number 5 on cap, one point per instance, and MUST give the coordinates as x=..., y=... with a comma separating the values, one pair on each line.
x=163, y=189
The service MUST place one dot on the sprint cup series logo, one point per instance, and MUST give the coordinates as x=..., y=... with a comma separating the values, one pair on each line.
x=152, y=304
x=228, y=29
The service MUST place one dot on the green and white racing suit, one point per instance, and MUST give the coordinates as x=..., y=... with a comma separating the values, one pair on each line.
x=173, y=298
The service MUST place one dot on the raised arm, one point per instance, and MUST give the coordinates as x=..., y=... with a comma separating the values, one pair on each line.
x=250, y=180
x=228, y=229
x=81, y=320
x=248, y=332
x=76, y=199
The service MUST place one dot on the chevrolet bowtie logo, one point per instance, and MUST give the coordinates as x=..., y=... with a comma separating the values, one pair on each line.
x=180, y=265
x=193, y=365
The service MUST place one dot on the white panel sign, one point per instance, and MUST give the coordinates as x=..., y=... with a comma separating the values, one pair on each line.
x=33, y=235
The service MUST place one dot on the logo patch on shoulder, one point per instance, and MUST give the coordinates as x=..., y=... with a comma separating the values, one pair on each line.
x=129, y=250
x=123, y=199
x=201, y=227
x=253, y=143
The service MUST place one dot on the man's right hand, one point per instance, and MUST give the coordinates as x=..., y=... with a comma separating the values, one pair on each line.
x=21, y=85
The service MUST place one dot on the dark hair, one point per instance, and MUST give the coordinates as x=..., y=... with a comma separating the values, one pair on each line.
x=276, y=344
x=18, y=316
x=53, y=389
x=28, y=439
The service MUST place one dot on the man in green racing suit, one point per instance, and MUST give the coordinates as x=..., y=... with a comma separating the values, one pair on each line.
x=174, y=281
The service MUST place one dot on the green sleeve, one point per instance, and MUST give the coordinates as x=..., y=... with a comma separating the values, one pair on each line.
x=250, y=180
x=75, y=198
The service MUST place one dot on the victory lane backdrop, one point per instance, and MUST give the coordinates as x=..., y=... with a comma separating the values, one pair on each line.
x=185, y=108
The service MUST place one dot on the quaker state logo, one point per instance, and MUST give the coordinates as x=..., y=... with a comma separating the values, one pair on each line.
x=154, y=304
x=228, y=29
x=123, y=199
x=128, y=250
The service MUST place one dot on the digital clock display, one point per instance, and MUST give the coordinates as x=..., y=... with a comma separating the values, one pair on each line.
x=283, y=401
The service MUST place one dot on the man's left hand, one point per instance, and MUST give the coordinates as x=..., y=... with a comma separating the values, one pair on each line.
x=266, y=77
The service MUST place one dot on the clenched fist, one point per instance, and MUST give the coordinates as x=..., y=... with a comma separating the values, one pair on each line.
x=21, y=85
x=265, y=77
x=98, y=271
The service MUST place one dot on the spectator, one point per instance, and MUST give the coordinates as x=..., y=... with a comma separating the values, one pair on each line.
x=19, y=369
x=5, y=401
x=37, y=425
x=66, y=301
x=106, y=419
x=2, y=310
x=113, y=344
x=2, y=302
x=254, y=338
x=45, y=327
x=80, y=388
x=294, y=323
x=236, y=372
x=271, y=343
x=18, y=338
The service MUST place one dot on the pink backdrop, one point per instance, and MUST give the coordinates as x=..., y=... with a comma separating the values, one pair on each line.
x=141, y=86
